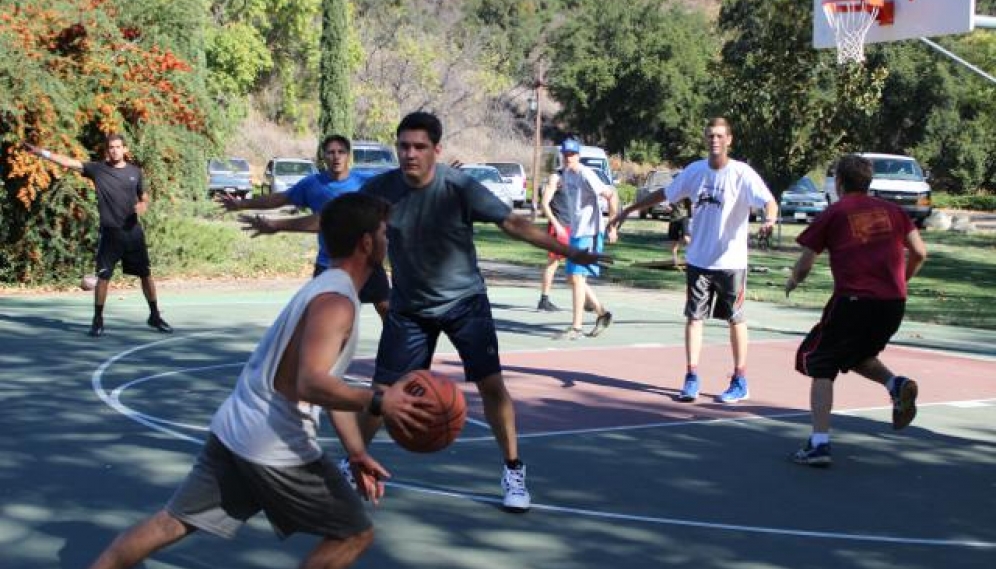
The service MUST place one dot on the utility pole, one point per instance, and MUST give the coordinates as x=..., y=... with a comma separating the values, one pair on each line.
x=537, y=106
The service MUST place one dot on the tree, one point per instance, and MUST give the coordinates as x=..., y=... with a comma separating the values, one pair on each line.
x=336, y=105
x=629, y=73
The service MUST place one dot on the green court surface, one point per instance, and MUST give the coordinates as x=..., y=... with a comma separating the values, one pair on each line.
x=98, y=432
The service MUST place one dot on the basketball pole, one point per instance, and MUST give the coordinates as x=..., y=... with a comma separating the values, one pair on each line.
x=970, y=66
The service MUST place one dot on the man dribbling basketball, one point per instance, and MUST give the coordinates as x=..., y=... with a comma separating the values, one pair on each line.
x=262, y=453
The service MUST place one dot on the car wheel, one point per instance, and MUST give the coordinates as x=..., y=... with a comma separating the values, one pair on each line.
x=643, y=214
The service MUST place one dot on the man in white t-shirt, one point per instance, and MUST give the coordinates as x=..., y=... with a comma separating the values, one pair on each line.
x=583, y=188
x=723, y=191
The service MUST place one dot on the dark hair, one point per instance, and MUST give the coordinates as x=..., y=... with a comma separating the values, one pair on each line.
x=854, y=173
x=421, y=120
x=347, y=218
x=719, y=121
x=336, y=138
x=114, y=136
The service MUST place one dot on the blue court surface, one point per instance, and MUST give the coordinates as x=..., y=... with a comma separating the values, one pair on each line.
x=98, y=433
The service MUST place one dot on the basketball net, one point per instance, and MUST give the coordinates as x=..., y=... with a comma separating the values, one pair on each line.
x=850, y=21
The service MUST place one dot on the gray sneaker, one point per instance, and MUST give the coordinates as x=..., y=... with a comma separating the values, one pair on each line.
x=601, y=323
x=513, y=486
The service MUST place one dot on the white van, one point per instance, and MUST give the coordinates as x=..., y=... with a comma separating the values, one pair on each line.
x=896, y=178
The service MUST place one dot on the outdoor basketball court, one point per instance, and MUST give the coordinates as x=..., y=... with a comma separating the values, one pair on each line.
x=99, y=432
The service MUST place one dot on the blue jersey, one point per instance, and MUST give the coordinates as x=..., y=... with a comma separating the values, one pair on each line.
x=316, y=190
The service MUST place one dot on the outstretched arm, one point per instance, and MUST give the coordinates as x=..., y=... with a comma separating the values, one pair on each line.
x=522, y=228
x=269, y=201
x=60, y=159
x=262, y=225
x=650, y=200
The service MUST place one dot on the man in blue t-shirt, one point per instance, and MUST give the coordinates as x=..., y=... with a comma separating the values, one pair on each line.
x=313, y=192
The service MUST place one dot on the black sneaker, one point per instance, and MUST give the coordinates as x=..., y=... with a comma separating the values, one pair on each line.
x=545, y=305
x=813, y=456
x=159, y=324
x=903, y=402
x=601, y=323
x=96, y=328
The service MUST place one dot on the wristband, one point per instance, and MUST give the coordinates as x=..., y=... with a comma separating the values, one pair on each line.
x=376, y=402
x=47, y=155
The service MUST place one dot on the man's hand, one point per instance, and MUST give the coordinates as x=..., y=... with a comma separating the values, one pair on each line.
x=141, y=207
x=405, y=412
x=767, y=228
x=583, y=257
x=611, y=234
x=227, y=201
x=790, y=285
x=369, y=475
x=258, y=224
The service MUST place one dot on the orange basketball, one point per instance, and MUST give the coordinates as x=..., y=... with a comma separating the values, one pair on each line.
x=449, y=410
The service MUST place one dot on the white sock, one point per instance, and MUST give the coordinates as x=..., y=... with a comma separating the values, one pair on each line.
x=817, y=439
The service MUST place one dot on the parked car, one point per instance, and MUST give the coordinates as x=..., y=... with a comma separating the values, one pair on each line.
x=229, y=176
x=656, y=180
x=895, y=178
x=490, y=178
x=282, y=173
x=373, y=157
x=802, y=201
x=515, y=174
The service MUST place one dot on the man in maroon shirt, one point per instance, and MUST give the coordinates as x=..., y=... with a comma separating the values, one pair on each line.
x=868, y=240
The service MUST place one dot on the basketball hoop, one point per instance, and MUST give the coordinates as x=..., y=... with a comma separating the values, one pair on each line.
x=851, y=20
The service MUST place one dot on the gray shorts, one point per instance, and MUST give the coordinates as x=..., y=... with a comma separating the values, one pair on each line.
x=715, y=292
x=223, y=490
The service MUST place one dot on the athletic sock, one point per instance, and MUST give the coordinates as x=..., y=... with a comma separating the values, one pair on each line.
x=891, y=384
x=513, y=464
x=817, y=439
x=153, y=310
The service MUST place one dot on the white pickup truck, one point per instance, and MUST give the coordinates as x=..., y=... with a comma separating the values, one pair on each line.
x=896, y=178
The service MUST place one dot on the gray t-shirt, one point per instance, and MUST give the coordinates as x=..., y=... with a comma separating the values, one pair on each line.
x=431, y=238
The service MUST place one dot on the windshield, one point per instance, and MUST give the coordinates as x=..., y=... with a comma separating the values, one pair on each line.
x=373, y=157
x=484, y=174
x=293, y=168
x=897, y=169
x=508, y=169
x=236, y=165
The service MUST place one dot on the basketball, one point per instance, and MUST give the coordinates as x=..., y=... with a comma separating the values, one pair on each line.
x=88, y=282
x=449, y=410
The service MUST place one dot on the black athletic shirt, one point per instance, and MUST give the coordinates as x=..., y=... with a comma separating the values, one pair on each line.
x=558, y=203
x=118, y=191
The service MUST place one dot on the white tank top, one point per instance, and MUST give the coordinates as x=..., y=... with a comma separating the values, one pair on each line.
x=261, y=425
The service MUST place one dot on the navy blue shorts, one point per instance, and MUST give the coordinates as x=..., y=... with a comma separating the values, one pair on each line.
x=408, y=341
x=850, y=331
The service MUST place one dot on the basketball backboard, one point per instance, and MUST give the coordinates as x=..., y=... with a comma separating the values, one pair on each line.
x=911, y=19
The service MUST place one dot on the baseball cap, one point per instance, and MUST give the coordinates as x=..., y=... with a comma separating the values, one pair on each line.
x=570, y=145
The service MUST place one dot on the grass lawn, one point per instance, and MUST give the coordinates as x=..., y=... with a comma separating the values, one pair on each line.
x=957, y=284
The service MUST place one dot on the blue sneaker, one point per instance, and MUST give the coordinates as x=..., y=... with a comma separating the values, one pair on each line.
x=903, y=394
x=813, y=456
x=690, y=391
x=737, y=391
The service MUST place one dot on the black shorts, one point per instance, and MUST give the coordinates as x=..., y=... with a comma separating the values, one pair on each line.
x=715, y=292
x=850, y=331
x=408, y=341
x=125, y=245
x=224, y=490
x=677, y=228
x=377, y=288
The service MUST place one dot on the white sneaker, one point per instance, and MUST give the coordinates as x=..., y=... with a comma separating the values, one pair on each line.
x=513, y=486
x=347, y=472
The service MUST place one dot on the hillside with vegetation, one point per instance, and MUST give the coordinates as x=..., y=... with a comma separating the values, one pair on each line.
x=189, y=79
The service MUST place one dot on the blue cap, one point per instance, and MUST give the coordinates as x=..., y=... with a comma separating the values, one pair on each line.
x=570, y=145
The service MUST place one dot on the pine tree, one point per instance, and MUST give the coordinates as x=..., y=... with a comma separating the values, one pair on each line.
x=336, y=116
